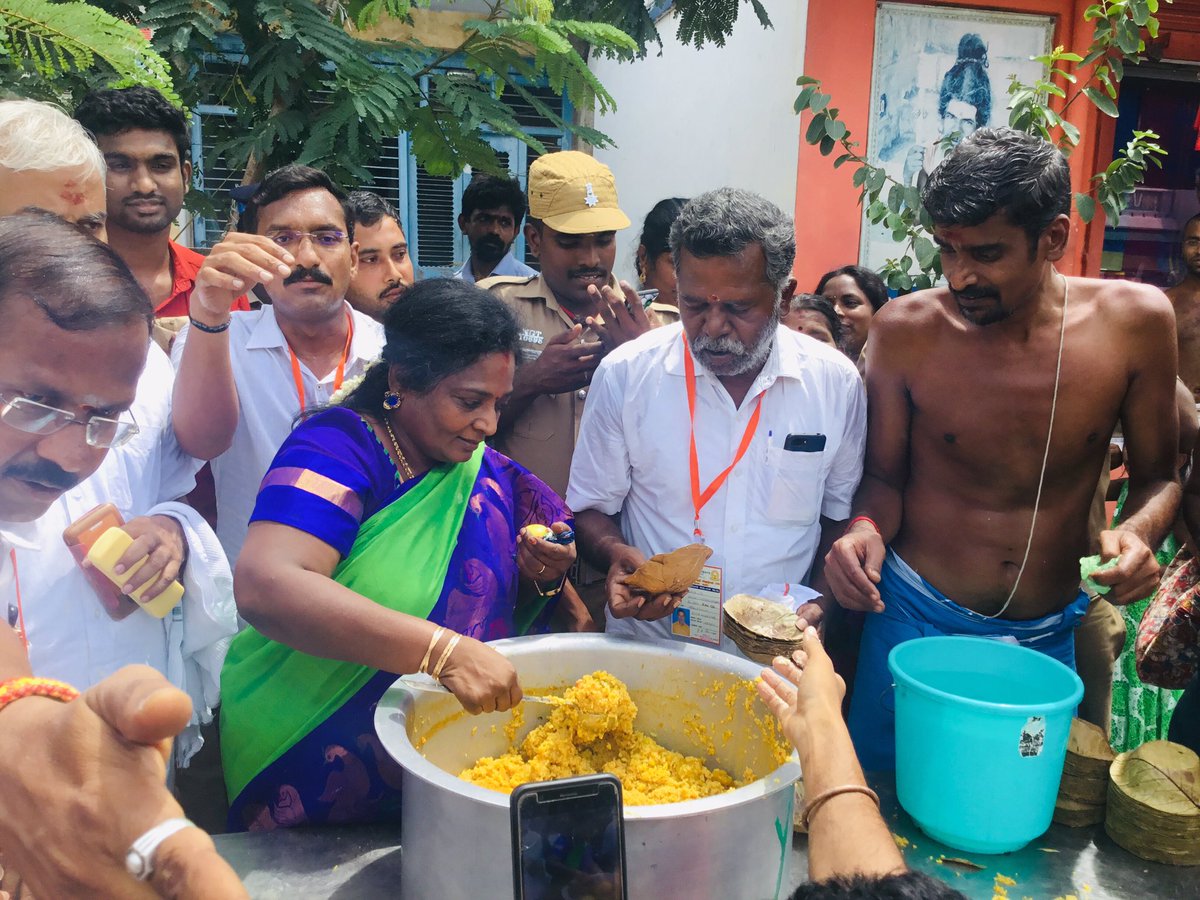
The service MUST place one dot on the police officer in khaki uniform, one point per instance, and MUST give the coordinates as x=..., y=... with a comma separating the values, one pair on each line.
x=570, y=315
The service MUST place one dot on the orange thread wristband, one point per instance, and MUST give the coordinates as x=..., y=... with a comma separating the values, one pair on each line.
x=867, y=519
x=19, y=688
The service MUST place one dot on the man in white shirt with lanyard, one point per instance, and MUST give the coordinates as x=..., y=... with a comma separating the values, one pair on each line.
x=85, y=774
x=725, y=428
x=244, y=378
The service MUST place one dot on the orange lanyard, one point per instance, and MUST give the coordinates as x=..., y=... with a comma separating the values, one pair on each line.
x=17, y=625
x=341, y=367
x=699, y=499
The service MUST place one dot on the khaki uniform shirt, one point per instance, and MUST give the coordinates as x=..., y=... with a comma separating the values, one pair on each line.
x=543, y=438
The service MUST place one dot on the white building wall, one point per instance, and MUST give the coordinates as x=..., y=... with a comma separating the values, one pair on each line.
x=693, y=120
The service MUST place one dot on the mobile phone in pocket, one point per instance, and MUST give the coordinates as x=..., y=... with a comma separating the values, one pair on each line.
x=804, y=443
x=568, y=839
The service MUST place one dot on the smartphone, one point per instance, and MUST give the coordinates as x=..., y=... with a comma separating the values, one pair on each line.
x=568, y=839
x=79, y=537
x=804, y=443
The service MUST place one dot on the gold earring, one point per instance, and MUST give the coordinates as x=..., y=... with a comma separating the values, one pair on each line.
x=392, y=400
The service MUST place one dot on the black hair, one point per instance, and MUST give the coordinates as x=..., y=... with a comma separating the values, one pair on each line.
x=490, y=192
x=114, y=110
x=287, y=180
x=368, y=210
x=901, y=886
x=439, y=327
x=1187, y=224
x=79, y=282
x=968, y=80
x=656, y=230
x=822, y=305
x=868, y=282
x=1000, y=170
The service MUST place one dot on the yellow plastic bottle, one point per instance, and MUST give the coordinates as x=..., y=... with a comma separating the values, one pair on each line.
x=109, y=548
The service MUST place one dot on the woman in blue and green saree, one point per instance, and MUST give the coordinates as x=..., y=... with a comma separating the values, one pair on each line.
x=386, y=539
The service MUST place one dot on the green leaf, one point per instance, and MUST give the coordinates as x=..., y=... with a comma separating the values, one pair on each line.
x=819, y=102
x=816, y=129
x=1103, y=102
x=842, y=160
x=877, y=212
x=827, y=145
x=807, y=79
x=1086, y=207
x=803, y=99
x=860, y=176
x=876, y=179
x=1071, y=132
x=1127, y=37
x=925, y=250
x=895, y=198
x=835, y=129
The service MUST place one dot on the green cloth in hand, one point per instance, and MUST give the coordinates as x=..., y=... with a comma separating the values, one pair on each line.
x=1089, y=566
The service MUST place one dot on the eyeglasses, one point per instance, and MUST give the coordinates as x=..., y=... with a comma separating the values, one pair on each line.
x=326, y=239
x=33, y=417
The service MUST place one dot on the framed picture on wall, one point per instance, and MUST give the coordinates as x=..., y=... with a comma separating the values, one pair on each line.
x=940, y=71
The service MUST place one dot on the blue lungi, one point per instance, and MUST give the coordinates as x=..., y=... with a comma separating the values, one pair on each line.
x=914, y=608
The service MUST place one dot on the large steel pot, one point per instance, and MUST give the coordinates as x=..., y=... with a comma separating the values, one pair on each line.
x=455, y=835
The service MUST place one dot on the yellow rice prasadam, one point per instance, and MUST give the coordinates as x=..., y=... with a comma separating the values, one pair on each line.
x=592, y=732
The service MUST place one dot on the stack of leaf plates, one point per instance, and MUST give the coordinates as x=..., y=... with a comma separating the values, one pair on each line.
x=1083, y=791
x=1154, y=803
x=762, y=629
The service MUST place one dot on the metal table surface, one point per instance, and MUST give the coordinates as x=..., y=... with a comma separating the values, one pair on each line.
x=358, y=862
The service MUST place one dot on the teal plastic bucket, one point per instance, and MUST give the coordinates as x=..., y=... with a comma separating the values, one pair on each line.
x=981, y=736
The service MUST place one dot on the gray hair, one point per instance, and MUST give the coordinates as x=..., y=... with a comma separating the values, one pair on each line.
x=41, y=137
x=727, y=221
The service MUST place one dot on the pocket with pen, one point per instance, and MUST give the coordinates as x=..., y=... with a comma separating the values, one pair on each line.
x=797, y=485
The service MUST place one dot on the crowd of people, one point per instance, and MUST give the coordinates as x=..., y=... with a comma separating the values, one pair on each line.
x=337, y=461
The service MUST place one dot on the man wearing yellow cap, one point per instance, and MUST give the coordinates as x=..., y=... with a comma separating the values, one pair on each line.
x=570, y=315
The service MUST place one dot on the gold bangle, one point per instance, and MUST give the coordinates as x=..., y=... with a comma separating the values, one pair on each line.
x=437, y=670
x=820, y=800
x=551, y=592
x=437, y=636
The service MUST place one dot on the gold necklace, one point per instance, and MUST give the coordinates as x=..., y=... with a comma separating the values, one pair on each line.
x=405, y=468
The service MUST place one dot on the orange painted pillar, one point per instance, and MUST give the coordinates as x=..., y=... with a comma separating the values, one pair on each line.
x=839, y=49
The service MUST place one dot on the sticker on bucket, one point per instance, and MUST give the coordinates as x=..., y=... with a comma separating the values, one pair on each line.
x=1033, y=736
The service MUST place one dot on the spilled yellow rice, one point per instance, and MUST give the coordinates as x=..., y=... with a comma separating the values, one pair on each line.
x=592, y=732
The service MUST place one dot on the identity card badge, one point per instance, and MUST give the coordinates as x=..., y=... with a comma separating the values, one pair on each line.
x=699, y=616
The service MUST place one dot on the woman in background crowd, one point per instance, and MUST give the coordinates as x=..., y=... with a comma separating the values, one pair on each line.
x=815, y=316
x=656, y=269
x=857, y=294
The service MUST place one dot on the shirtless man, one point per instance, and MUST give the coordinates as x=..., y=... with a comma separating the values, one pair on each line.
x=961, y=386
x=1185, y=297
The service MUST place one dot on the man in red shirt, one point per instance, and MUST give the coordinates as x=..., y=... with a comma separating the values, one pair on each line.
x=147, y=149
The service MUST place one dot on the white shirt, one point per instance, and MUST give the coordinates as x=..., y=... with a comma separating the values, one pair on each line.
x=764, y=523
x=71, y=637
x=509, y=265
x=262, y=373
